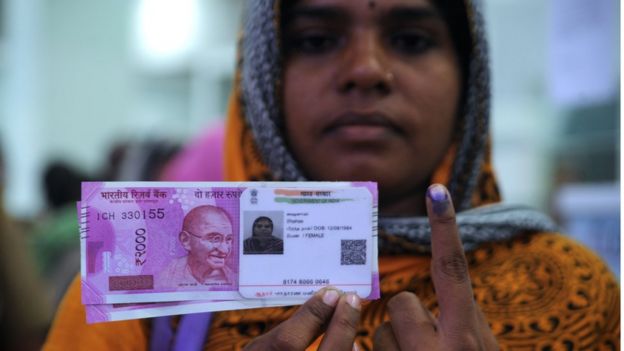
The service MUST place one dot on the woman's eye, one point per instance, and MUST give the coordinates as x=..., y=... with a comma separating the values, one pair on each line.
x=313, y=43
x=410, y=42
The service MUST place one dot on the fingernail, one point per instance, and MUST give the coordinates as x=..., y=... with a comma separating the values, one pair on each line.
x=439, y=198
x=330, y=297
x=355, y=347
x=353, y=300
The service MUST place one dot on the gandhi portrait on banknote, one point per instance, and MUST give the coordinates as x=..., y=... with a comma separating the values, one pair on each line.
x=207, y=237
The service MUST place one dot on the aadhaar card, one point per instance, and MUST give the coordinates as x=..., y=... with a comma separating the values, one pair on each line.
x=296, y=241
x=165, y=241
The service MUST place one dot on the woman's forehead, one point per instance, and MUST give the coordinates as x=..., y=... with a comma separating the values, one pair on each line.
x=368, y=5
x=348, y=11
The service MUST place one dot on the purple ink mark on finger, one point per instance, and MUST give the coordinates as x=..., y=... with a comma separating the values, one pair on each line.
x=439, y=199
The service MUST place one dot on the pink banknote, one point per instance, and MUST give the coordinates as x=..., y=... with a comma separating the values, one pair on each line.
x=126, y=311
x=147, y=242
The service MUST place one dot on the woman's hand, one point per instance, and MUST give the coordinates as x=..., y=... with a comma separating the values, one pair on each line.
x=461, y=324
x=327, y=311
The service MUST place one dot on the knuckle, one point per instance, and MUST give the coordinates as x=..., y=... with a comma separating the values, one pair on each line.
x=469, y=343
x=417, y=323
x=317, y=311
x=347, y=325
x=445, y=220
x=383, y=331
x=284, y=340
x=452, y=267
x=408, y=308
x=465, y=341
x=384, y=338
x=398, y=301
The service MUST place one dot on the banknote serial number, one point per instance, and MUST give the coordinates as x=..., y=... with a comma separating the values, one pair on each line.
x=140, y=247
x=152, y=213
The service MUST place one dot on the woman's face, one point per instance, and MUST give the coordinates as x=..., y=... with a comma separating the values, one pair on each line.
x=371, y=91
x=263, y=228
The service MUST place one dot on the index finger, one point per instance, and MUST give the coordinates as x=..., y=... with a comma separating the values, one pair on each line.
x=449, y=268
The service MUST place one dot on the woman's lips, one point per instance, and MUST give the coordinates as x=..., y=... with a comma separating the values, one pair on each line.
x=362, y=127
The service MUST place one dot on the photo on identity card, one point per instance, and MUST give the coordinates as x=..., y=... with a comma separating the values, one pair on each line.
x=263, y=233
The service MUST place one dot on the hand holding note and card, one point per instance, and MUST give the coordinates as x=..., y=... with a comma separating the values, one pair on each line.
x=151, y=249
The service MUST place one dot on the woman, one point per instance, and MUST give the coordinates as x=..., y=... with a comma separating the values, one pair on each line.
x=262, y=240
x=395, y=91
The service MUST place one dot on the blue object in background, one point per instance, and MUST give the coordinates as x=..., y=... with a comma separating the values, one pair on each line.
x=590, y=213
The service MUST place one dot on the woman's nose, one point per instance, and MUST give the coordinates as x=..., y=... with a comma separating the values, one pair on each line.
x=365, y=65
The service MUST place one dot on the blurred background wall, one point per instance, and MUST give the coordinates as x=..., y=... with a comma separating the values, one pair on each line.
x=91, y=89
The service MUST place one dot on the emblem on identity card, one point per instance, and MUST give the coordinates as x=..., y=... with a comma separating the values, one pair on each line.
x=254, y=197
